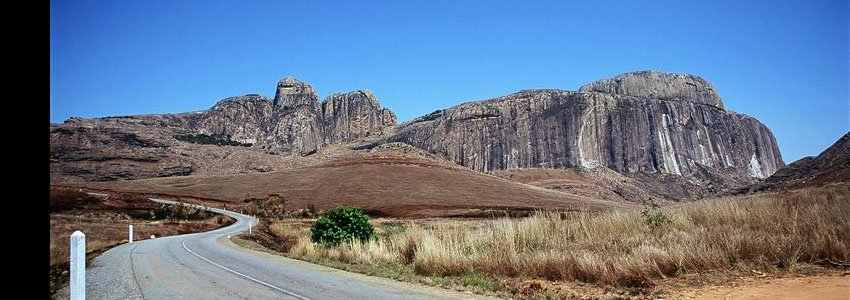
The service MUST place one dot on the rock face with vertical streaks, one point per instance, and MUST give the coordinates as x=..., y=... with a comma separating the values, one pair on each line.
x=354, y=115
x=636, y=123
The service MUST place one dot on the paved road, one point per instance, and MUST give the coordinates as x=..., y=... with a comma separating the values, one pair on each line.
x=208, y=266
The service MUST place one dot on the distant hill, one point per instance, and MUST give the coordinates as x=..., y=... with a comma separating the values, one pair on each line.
x=831, y=166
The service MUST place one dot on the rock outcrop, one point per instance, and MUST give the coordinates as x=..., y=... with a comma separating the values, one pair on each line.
x=294, y=122
x=245, y=119
x=636, y=123
x=668, y=133
x=354, y=115
x=144, y=146
x=657, y=85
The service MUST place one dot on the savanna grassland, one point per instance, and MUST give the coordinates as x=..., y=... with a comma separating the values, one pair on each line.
x=648, y=252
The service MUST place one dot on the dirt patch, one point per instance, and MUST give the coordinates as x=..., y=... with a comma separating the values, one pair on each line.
x=829, y=287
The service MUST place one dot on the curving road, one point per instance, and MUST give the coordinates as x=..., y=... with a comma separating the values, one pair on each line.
x=208, y=266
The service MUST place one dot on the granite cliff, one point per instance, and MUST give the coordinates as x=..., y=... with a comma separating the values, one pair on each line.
x=662, y=131
x=642, y=123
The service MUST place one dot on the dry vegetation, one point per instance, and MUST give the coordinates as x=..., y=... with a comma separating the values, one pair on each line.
x=105, y=222
x=627, y=249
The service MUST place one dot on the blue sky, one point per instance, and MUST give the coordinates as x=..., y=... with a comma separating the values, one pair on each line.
x=782, y=62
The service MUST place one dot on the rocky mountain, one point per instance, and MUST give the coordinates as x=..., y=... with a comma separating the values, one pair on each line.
x=642, y=123
x=661, y=131
x=293, y=123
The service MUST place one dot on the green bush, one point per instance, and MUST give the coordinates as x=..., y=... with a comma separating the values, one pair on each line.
x=653, y=217
x=341, y=224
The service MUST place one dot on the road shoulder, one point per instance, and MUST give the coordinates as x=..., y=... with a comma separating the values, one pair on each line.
x=247, y=246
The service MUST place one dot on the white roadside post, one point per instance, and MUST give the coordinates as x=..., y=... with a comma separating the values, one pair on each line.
x=131, y=234
x=78, y=266
x=249, y=226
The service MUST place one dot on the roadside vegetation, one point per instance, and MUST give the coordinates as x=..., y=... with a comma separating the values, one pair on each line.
x=632, y=251
x=105, y=219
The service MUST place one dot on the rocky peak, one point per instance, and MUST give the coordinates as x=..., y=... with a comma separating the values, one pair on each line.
x=292, y=93
x=249, y=98
x=363, y=96
x=658, y=85
x=353, y=115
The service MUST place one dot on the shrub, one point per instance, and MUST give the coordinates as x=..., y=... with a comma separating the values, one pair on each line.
x=653, y=217
x=272, y=206
x=341, y=224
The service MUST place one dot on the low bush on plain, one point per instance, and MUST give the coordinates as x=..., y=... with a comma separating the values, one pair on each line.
x=340, y=225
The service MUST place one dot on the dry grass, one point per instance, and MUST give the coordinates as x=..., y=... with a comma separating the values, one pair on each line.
x=106, y=229
x=765, y=232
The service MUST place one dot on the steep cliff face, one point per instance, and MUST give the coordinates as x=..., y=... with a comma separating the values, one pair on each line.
x=292, y=93
x=354, y=115
x=645, y=122
x=296, y=122
x=245, y=119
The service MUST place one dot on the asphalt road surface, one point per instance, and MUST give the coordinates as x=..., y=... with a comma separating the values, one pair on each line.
x=209, y=266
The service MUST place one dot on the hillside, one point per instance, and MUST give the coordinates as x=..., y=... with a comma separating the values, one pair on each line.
x=384, y=184
x=830, y=166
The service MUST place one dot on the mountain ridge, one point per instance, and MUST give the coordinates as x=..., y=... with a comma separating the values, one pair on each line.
x=643, y=124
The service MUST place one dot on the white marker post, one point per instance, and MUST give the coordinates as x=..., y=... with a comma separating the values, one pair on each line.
x=249, y=226
x=78, y=266
x=131, y=234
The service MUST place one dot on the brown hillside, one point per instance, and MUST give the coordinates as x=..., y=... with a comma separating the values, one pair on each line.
x=829, y=167
x=390, y=185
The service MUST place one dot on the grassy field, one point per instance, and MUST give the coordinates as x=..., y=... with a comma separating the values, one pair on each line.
x=631, y=251
x=105, y=222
